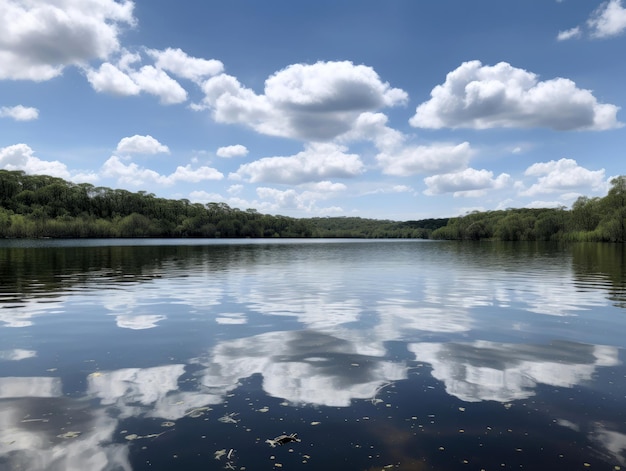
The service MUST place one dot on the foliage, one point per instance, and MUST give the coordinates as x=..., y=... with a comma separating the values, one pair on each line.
x=589, y=220
x=44, y=206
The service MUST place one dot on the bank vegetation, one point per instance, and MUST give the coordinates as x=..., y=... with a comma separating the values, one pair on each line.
x=36, y=206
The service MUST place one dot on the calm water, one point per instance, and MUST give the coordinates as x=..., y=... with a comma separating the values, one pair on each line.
x=406, y=355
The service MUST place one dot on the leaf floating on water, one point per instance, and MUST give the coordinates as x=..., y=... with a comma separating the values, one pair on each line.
x=282, y=440
x=315, y=423
x=229, y=418
x=219, y=453
x=134, y=436
x=197, y=412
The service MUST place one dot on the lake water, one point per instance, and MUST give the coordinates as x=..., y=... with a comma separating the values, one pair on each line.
x=406, y=355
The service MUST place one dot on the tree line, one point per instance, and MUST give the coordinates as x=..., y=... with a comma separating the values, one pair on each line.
x=44, y=206
x=599, y=219
x=38, y=206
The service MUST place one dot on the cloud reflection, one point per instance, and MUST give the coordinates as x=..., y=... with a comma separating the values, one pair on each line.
x=138, y=322
x=37, y=386
x=490, y=371
x=32, y=437
x=301, y=367
x=17, y=354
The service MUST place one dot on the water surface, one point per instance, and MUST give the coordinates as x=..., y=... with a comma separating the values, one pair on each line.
x=410, y=355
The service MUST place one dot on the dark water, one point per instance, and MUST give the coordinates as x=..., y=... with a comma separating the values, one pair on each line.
x=406, y=355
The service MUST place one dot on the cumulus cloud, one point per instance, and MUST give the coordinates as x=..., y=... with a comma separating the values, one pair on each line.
x=39, y=39
x=156, y=82
x=141, y=145
x=126, y=78
x=182, y=65
x=22, y=157
x=232, y=151
x=19, y=113
x=564, y=175
x=569, y=34
x=434, y=158
x=110, y=79
x=469, y=182
x=273, y=199
x=318, y=162
x=481, y=97
x=315, y=102
x=134, y=175
x=608, y=20
x=373, y=127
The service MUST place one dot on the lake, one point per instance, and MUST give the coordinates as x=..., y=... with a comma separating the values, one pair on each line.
x=390, y=354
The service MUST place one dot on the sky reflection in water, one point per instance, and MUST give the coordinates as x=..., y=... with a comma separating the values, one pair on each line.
x=414, y=354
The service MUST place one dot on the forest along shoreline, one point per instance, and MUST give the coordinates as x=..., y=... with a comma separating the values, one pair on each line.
x=36, y=206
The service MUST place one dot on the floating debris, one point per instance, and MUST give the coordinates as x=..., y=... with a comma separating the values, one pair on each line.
x=167, y=423
x=315, y=423
x=229, y=418
x=282, y=440
x=134, y=436
x=263, y=409
x=219, y=453
x=69, y=435
x=197, y=412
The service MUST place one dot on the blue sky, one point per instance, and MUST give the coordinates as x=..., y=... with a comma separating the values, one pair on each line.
x=400, y=109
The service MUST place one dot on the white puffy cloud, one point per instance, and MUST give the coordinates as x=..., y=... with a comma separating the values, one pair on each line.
x=133, y=174
x=544, y=204
x=373, y=127
x=481, y=97
x=19, y=113
x=141, y=145
x=232, y=151
x=564, y=175
x=40, y=38
x=608, y=20
x=411, y=160
x=569, y=34
x=468, y=182
x=330, y=86
x=110, y=79
x=126, y=78
x=180, y=64
x=319, y=161
x=201, y=196
x=156, y=82
x=307, y=101
x=22, y=157
x=194, y=175
x=273, y=199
